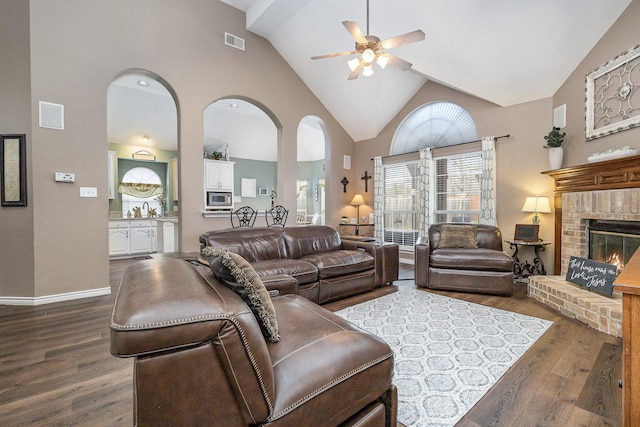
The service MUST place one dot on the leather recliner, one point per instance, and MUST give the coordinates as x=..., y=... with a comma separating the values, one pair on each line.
x=486, y=269
x=201, y=358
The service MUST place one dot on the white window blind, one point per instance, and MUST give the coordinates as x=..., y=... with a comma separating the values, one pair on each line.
x=401, y=203
x=458, y=188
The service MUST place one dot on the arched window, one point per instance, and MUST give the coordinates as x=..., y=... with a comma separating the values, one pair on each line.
x=437, y=124
x=141, y=188
x=453, y=188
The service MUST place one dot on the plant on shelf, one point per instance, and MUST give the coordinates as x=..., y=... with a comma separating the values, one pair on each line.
x=216, y=155
x=554, y=138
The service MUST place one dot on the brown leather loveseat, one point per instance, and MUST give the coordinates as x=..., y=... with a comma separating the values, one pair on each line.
x=201, y=358
x=477, y=264
x=311, y=261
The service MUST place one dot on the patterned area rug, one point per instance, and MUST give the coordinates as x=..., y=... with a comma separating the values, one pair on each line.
x=448, y=353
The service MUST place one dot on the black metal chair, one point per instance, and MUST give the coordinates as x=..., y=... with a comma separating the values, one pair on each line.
x=277, y=215
x=243, y=217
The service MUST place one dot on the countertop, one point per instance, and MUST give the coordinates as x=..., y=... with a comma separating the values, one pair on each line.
x=161, y=218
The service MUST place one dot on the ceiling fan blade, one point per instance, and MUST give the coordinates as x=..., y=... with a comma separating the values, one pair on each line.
x=412, y=37
x=332, y=55
x=355, y=31
x=398, y=62
x=355, y=73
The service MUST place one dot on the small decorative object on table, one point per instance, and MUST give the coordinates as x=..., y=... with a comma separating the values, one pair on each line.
x=526, y=232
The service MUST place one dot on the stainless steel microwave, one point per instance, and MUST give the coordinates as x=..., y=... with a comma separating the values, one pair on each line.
x=219, y=199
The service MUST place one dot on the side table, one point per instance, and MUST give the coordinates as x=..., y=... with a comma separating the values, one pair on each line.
x=355, y=230
x=522, y=270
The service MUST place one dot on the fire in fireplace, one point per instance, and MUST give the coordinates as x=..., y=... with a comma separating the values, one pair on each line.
x=613, y=242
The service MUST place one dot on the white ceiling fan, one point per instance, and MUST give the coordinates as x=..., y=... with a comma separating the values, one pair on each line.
x=372, y=49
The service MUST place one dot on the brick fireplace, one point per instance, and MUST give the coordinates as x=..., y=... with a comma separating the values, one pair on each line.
x=607, y=191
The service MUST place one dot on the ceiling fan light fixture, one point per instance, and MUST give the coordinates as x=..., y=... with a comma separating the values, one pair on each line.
x=353, y=63
x=367, y=70
x=382, y=60
x=368, y=55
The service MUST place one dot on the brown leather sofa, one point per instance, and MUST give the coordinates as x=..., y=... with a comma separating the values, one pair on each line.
x=201, y=358
x=485, y=269
x=311, y=260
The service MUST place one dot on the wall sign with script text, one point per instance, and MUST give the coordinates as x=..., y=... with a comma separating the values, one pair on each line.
x=593, y=275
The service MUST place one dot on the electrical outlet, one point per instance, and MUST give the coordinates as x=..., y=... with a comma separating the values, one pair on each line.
x=88, y=192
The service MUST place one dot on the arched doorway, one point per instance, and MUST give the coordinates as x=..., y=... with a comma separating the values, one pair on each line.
x=142, y=132
x=245, y=133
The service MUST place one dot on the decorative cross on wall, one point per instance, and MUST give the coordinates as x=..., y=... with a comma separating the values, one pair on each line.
x=366, y=177
x=344, y=182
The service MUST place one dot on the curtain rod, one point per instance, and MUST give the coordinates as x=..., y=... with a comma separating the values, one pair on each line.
x=495, y=138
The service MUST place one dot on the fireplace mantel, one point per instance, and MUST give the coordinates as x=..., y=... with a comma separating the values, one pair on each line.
x=606, y=175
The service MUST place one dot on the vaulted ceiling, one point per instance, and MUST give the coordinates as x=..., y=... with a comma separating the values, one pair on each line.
x=504, y=51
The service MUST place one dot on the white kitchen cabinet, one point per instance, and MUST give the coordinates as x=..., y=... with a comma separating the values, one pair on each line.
x=111, y=182
x=132, y=237
x=218, y=175
x=153, y=238
x=167, y=235
x=143, y=236
x=118, y=238
x=140, y=240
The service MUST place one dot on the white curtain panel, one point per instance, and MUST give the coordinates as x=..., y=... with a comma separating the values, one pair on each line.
x=424, y=191
x=488, y=182
x=378, y=199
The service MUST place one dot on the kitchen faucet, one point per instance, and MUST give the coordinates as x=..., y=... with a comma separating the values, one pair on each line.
x=146, y=203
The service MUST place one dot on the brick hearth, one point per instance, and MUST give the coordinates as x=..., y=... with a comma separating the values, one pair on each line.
x=597, y=311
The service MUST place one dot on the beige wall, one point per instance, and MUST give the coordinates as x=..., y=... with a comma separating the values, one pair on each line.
x=624, y=34
x=16, y=223
x=77, y=48
x=69, y=52
x=520, y=158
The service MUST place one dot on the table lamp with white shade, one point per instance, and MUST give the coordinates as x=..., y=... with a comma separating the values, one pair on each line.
x=536, y=204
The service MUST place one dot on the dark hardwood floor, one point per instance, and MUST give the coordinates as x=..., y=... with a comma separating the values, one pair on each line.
x=56, y=369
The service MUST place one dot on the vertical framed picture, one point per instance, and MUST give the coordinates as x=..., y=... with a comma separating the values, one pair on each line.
x=248, y=187
x=13, y=164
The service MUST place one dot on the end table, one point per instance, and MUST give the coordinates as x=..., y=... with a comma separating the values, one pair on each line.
x=522, y=270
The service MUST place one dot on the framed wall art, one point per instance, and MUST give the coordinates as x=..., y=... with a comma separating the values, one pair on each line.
x=526, y=232
x=248, y=188
x=13, y=163
x=613, y=95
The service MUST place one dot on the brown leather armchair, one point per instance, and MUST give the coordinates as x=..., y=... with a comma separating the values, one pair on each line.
x=485, y=269
x=201, y=358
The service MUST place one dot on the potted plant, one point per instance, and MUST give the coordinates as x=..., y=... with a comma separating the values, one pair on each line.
x=216, y=155
x=554, y=139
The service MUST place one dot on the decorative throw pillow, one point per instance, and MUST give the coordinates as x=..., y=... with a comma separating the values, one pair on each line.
x=458, y=236
x=239, y=275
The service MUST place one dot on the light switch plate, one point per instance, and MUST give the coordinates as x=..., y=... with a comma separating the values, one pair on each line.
x=88, y=192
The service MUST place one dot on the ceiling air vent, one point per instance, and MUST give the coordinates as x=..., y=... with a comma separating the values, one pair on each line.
x=233, y=41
